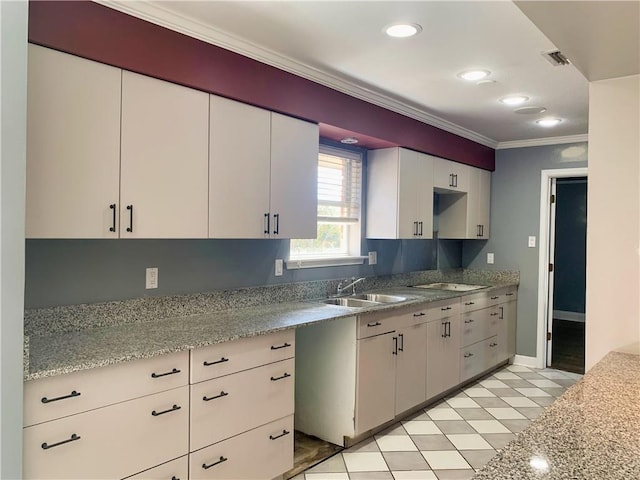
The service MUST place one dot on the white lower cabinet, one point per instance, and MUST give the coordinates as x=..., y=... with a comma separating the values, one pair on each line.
x=411, y=367
x=262, y=453
x=110, y=442
x=443, y=355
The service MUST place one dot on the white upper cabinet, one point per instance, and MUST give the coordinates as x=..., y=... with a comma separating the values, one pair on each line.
x=73, y=146
x=451, y=176
x=164, y=163
x=399, y=194
x=263, y=173
x=478, y=204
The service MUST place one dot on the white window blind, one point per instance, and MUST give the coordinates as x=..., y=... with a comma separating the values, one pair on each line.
x=339, y=185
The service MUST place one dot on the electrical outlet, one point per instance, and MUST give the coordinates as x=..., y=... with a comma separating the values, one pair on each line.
x=490, y=258
x=152, y=278
x=373, y=258
x=532, y=242
x=278, y=268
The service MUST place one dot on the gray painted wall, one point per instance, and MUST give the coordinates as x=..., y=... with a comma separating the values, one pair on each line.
x=515, y=215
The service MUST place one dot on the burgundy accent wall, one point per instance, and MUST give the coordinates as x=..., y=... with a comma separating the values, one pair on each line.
x=99, y=33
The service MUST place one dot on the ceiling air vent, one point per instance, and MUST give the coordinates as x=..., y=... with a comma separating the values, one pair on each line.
x=556, y=58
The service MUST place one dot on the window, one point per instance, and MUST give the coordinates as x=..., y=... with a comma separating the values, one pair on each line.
x=339, y=200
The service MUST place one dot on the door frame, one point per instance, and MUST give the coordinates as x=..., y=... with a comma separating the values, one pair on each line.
x=546, y=177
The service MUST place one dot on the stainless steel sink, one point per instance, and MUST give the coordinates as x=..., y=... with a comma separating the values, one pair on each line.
x=454, y=287
x=350, y=302
x=379, y=298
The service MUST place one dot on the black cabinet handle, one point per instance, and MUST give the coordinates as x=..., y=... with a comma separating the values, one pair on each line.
x=73, y=438
x=451, y=179
x=455, y=177
x=493, y=344
x=130, y=227
x=172, y=409
x=494, y=298
x=174, y=478
x=267, y=219
x=284, y=432
x=222, y=460
x=276, y=221
x=376, y=324
x=208, y=364
x=286, y=345
x=482, y=230
x=222, y=394
x=275, y=379
x=493, y=314
x=448, y=331
x=468, y=355
x=445, y=309
x=415, y=229
x=158, y=375
x=420, y=225
x=509, y=294
x=112, y=228
x=421, y=314
x=469, y=321
x=401, y=347
x=49, y=400
x=444, y=330
x=395, y=346
x=501, y=317
x=469, y=303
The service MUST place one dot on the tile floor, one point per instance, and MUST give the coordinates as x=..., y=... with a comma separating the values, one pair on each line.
x=452, y=439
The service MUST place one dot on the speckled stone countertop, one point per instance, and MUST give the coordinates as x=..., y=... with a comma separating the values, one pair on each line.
x=188, y=322
x=591, y=432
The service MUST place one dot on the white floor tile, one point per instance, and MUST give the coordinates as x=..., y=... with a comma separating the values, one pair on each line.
x=518, y=368
x=421, y=427
x=505, y=413
x=415, y=475
x=462, y=403
x=553, y=374
x=365, y=462
x=520, y=402
x=396, y=443
x=545, y=383
x=478, y=392
x=506, y=376
x=326, y=476
x=467, y=441
x=443, y=414
x=445, y=460
x=493, y=384
x=488, y=426
x=532, y=392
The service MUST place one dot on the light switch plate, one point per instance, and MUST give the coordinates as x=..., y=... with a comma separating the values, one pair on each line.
x=278, y=267
x=151, y=278
x=532, y=242
x=373, y=258
x=490, y=258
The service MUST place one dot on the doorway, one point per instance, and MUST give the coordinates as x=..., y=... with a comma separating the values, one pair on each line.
x=567, y=274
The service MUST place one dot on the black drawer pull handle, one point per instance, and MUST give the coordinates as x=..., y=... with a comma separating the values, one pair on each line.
x=267, y=217
x=275, y=379
x=493, y=344
x=469, y=321
x=73, y=438
x=470, y=303
x=222, y=394
x=174, y=478
x=286, y=345
x=376, y=324
x=494, y=298
x=222, y=459
x=421, y=314
x=445, y=309
x=284, y=432
x=276, y=220
x=493, y=314
x=222, y=360
x=172, y=409
x=130, y=227
x=509, y=294
x=467, y=355
x=49, y=400
x=112, y=228
x=158, y=375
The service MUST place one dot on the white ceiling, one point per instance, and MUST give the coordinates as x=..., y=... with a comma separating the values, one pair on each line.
x=341, y=44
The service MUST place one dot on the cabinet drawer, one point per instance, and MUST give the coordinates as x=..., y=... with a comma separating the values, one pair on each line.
x=226, y=406
x=502, y=295
x=56, y=397
x=262, y=453
x=478, y=357
x=444, y=309
x=177, y=469
x=372, y=324
x=243, y=354
x=477, y=325
x=110, y=442
x=470, y=303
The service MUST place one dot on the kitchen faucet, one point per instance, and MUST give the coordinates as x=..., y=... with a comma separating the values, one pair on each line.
x=352, y=284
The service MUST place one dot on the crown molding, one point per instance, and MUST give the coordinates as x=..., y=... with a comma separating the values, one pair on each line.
x=156, y=14
x=537, y=142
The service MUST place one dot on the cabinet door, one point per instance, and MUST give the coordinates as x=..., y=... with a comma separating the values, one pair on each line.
x=408, y=184
x=443, y=355
x=509, y=312
x=450, y=176
x=411, y=367
x=73, y=146
x=375, y=381
x=239, y=169
x=294, y=177
x=424, y=195
x=164, y=164
x=484, y=202
x=478, y=203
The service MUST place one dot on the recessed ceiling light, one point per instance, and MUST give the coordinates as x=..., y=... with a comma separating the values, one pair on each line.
x=548, y=122
x=530, y=110
x=349, y=140
x=514, y=100
x=402, y=30
x=474, y=75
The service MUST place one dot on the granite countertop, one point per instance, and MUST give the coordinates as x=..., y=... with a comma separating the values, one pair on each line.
x=65, y=352
x=591, y=432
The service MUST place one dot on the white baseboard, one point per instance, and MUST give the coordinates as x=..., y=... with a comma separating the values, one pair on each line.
x=525, y=361
x=571, y=316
